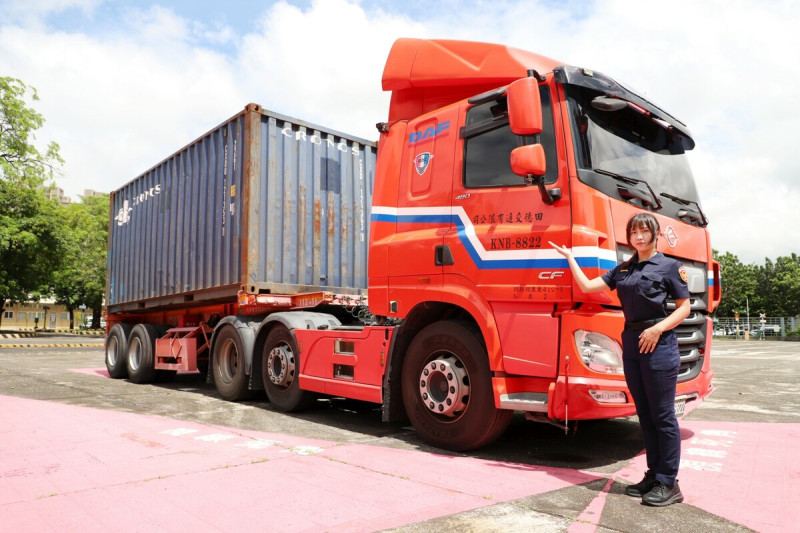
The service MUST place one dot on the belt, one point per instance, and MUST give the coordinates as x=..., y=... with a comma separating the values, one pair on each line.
x=644, y=324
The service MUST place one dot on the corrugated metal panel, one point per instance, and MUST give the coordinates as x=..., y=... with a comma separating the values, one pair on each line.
x=310, y=209
x=263, y=201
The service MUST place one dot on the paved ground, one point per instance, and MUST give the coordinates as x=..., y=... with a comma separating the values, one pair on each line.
x=82, y=452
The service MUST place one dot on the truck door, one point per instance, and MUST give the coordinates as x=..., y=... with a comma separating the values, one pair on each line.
x=423, y=211
x=500, y=239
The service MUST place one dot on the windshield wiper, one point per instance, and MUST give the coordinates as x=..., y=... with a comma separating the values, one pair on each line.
x=631, y=193
x=691, y=214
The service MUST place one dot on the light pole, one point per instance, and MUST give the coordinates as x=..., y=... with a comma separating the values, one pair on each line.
x=747, y=302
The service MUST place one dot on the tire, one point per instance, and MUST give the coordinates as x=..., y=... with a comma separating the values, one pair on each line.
x=141, y=353
x=117, y=351
x=447, y=389
x=280, y=369
x=229, y=366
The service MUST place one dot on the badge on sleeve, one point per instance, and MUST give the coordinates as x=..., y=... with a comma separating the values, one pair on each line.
x=684, y=275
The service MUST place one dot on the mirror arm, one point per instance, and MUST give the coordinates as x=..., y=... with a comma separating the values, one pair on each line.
x=549, y=196
x=533, y=74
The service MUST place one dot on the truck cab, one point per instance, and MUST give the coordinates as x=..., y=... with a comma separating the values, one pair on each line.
x=489, y=153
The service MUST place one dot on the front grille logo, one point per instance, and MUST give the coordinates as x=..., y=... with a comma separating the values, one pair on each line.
x=671, y=237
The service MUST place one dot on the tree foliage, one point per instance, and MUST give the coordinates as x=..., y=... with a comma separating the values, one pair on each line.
x=31, y=239
x=81, y=278
x=20, y=159
x=773, y=289
x=30, y=242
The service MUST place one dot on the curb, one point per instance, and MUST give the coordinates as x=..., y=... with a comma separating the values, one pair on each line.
x=61, y=345
x=45, y=332
x=88, y=333
x=16, y=335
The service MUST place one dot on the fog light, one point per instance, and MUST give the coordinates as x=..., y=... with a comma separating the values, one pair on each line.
x=608, y=396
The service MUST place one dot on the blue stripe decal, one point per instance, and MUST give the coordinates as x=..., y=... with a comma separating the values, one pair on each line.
x=491, y=264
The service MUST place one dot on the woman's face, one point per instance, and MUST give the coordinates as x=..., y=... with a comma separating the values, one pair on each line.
x=642, y=239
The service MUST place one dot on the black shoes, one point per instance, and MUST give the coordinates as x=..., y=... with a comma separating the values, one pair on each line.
x=662, y=495
x=643, y=487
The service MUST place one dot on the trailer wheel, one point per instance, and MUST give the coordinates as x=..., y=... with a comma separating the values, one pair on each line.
x=229, y=366
x=117, y=351
x=141, y=354
x=447, y=389
x=280, y=369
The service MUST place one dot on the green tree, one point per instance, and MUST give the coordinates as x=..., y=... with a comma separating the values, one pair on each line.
x=20, y=160
x=778, y=286
x=30, y=242
x=30, y=237
x=82, y=276
x=738, y=284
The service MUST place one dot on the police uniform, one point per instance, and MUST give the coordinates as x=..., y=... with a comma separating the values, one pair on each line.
x=643, y=288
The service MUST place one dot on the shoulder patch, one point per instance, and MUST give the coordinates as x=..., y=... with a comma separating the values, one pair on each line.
x=684, y=275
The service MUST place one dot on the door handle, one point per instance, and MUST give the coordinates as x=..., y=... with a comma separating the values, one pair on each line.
x=443, y=256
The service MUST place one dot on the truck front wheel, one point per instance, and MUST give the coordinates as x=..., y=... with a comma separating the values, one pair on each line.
x=447, y=389
x=280, y=368
x=229, y=365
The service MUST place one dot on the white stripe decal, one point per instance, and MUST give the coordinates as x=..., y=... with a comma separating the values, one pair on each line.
x=586, y=256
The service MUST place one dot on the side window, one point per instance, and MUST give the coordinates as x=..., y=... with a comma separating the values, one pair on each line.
x=488, y=142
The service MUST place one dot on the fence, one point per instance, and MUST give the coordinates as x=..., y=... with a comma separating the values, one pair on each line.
x=778, y=326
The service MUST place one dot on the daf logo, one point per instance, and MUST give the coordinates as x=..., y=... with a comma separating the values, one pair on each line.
x=551, y=275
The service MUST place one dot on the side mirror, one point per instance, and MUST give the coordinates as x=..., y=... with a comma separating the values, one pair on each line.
x=525, y=107
x=529, y=159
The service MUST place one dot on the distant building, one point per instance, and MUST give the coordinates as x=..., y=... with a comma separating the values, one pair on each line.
x=57, y=193
x=90, y=192
x=44, y=314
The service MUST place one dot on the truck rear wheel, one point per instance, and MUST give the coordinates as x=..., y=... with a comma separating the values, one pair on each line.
x=280, y=368
x=117, y=351
x=229, y=365
x=141, y=354
x=447, y=390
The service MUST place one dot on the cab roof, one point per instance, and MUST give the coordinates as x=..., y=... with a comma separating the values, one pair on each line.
x=424, y=75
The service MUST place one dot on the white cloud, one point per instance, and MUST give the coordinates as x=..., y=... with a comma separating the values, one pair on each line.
x=120, y=101
x=324, y=64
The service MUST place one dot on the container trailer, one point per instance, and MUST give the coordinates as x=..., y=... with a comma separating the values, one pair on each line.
x=275, y=256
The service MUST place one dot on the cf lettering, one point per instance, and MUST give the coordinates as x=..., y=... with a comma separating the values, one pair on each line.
x=550, y=275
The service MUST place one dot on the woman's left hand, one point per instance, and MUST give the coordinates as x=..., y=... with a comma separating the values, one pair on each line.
x=648, y=340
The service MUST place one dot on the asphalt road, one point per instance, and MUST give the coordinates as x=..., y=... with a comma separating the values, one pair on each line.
x=740, y=462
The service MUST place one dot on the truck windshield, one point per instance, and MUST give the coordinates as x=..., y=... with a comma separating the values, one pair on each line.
x=612, y=145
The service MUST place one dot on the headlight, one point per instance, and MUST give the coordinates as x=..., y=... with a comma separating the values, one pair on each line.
x=599, y=352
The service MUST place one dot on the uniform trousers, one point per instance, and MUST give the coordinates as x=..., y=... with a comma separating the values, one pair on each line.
x=652, y=379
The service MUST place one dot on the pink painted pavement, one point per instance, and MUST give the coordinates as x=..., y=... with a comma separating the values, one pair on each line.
x=73, y=468
x=68, y=468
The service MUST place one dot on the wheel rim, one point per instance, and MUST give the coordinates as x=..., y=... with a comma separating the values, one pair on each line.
x=228, y=360
x=280, y=365
x=444, y=386
x=111, y=351
x=135, y=354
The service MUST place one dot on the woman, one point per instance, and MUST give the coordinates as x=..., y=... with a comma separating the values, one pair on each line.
x=650, y=354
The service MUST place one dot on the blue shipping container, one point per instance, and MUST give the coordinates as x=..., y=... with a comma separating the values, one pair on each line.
x=263, y=203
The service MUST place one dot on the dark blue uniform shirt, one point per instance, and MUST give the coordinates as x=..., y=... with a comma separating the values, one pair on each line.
x=643, y=287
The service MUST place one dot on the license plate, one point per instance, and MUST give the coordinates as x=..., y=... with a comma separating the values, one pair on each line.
x=680, y=407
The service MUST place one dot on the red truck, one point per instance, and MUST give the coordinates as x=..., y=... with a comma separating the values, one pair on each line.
x=273, y=255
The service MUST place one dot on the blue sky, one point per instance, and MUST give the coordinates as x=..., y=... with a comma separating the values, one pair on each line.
x=125, y=84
